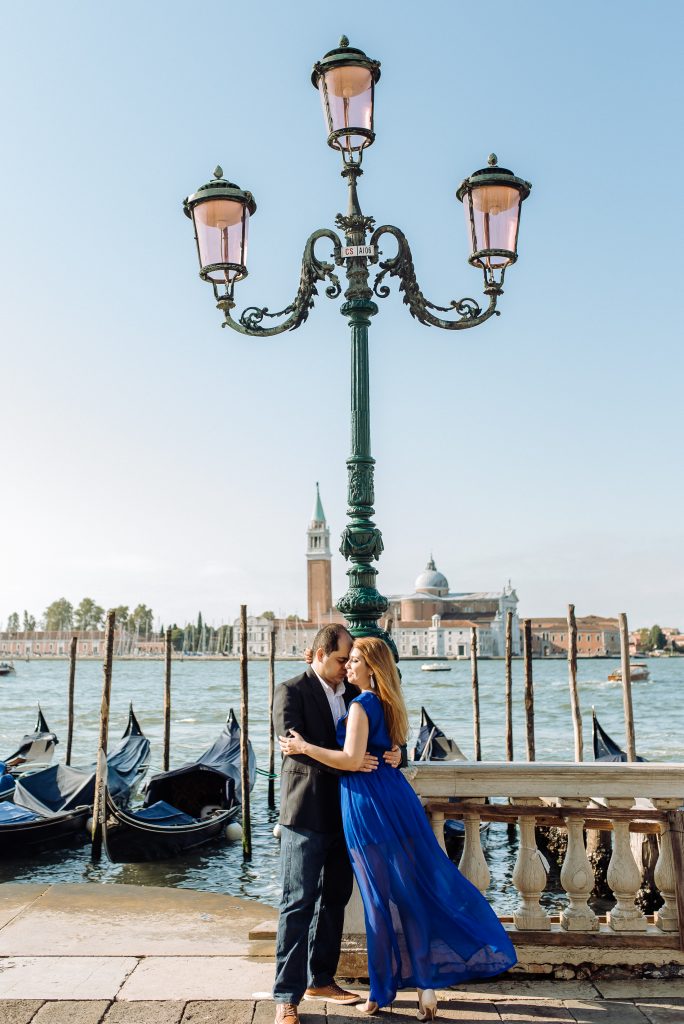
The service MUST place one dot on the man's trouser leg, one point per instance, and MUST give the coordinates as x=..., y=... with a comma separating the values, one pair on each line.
x=303, y=858
x=325, y=937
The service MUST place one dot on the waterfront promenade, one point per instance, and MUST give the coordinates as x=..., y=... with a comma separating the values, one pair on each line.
x=123, y=954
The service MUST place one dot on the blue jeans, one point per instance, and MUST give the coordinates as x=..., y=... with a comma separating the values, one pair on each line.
x=317, y=885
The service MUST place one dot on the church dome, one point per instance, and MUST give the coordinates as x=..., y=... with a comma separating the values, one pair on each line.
x=431, y=581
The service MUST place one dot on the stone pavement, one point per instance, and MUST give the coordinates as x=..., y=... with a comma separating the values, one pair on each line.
x=127, y=954
x=464, y=1009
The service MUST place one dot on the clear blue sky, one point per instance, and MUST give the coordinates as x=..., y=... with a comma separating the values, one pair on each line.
x=150, y=456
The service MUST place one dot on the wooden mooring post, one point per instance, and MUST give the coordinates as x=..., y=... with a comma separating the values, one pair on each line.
x=630, y=739
x=271, y=730
x=70, y=698
x=100, y=802
x=509, y=686
x=166, y=749
x=244, y=737
x=476, y=694
x=572, y=679
x=529, y=688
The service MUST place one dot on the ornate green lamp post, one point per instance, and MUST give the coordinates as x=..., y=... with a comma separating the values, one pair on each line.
x=220, y=211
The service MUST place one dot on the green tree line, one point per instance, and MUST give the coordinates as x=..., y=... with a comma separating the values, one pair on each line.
x=652, y=639
x=61, y=615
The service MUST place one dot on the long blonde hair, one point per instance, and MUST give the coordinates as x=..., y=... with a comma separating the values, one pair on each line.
x=379, y=659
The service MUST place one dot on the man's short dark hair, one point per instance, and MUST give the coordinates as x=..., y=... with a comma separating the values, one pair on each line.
x=328, y=637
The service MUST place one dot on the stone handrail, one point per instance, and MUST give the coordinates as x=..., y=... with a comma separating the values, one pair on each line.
x=571, y=796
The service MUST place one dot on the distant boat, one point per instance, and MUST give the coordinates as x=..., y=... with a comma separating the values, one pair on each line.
x=637, y=670
x=6, y=668
x=184, y=808
x=605, y=748
x=435, y=666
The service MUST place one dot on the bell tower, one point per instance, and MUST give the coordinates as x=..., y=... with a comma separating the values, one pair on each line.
x=318, y=564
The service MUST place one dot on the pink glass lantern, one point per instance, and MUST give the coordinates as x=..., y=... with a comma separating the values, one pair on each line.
x=220, y=212
x=492, y=198
x=345, y=79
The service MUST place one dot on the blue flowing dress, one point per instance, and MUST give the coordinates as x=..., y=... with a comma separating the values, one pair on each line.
x=427, y=926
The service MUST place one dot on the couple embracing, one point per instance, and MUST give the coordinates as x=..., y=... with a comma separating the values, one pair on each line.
x=344, y=807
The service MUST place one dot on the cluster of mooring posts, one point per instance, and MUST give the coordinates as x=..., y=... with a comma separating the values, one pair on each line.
x=528, y=692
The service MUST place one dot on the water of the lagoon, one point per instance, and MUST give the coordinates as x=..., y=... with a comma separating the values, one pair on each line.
x=203, y=691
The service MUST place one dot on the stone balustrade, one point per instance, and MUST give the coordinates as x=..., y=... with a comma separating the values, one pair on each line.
x=573, y=797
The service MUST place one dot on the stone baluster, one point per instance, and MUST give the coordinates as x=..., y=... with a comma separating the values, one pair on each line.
x=472, y=863
x=437, y=822
x=664, y=874
x=577, y=876
x=529, y=875
x=624, y=876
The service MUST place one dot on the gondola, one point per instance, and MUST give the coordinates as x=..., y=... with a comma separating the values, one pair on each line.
x=34, y=749
x=605, y=748
x=51, y=807
x=433, y=745
x=184, y=808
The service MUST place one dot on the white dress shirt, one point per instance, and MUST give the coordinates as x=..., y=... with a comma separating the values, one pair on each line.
x=338, y=708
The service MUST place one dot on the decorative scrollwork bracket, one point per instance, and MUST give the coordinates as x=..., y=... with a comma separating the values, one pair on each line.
x=313, y=271
x=469, y=312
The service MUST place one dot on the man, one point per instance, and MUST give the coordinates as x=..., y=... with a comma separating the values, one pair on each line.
x=315, y=868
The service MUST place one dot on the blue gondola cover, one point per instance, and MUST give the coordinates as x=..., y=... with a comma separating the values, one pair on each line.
x=161, y=813
x=9, y=812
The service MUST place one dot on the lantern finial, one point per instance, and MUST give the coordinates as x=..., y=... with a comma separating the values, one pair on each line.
x=344, y=42
x=492, y=159
x=218, y=172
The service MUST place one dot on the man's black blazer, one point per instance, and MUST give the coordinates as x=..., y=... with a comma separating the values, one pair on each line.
x=309, y=791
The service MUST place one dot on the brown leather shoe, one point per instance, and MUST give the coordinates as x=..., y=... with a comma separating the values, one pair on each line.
x=333, y=994
x=286, y=1013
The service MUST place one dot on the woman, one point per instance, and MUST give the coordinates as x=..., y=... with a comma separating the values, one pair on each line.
x=427, y=926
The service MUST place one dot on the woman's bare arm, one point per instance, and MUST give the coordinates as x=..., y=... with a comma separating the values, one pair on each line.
x=350, y=759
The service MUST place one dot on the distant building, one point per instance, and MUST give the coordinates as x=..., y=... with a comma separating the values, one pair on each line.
x=441, y=638
x=432, y=621
x=57, y=644
x=596, y=637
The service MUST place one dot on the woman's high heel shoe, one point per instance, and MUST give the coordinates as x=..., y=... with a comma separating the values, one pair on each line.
x=368, y=1009
x=427, y=1004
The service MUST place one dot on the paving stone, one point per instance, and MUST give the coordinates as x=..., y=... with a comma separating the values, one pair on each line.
x=19, y=1011
x=264, y=1012
x=663, y=989
x=220, y=1011
x=63, y=977
x=337, y=1014
x=67, y=1011
x=604, y=1012
x=125, y=920
x=16, y=897
x=468, y=1010
x=190, y=978
x=523, y=988
x=662, y=1011
x=166, y=1012
x=542, y=1010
